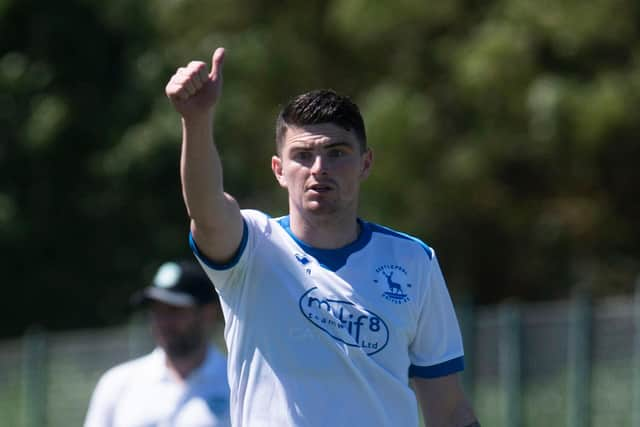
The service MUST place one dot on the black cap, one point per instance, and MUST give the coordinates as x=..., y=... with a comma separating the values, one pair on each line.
x=180, y=283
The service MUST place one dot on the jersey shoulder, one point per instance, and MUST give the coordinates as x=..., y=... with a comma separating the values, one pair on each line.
x=257, y=222
x=122, y=373
x=387, y=234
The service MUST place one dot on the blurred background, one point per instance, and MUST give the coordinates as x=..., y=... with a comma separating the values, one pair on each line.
x=505, y=133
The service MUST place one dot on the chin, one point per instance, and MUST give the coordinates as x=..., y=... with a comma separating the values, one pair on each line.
x=323, y=212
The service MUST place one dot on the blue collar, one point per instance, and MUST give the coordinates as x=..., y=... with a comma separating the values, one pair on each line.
x=331, y=259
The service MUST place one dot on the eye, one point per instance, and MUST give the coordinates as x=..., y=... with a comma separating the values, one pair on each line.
x=336, y=153
x=302, y=156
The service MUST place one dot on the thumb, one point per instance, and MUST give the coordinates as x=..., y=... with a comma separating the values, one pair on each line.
x=216, y=63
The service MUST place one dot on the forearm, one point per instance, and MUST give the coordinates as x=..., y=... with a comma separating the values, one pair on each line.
x=443, y=402
x=460, y=416
x=216, y=222
x=201, y=171
x=464, y=416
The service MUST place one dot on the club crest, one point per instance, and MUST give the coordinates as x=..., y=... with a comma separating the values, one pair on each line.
x=394, y=280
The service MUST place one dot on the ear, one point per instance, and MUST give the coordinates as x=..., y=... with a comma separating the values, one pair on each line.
x=276, y=167
x=366, y=163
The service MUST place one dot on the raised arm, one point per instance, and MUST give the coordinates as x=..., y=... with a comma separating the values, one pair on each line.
x=216, y=223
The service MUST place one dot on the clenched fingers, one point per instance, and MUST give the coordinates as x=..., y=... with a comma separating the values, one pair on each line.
x=187, y=81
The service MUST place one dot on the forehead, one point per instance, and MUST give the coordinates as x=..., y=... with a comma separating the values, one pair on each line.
x=318, y=135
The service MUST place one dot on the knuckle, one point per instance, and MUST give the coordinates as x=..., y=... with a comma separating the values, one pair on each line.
x=182, y=80
x=196, y=64
x=171, y=88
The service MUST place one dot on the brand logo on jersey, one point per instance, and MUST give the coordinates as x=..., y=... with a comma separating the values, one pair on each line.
x=345, y=321
x=302, y=259
x=394, y=278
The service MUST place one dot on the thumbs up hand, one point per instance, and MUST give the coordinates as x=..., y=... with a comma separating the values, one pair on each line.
x=194, y=90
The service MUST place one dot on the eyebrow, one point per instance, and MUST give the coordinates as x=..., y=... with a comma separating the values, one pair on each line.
x=336, y=144
x=307, y=146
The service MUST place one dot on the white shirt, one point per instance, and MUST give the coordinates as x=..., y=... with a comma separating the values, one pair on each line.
x=327, y=337
x=142, y=392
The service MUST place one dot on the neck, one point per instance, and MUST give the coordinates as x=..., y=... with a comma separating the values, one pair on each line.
x=325, y=231
x=184, y=365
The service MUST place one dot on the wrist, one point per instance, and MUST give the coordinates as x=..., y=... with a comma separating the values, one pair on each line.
x=198, y=120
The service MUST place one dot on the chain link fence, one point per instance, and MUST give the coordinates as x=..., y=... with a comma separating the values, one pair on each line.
x=572, y=363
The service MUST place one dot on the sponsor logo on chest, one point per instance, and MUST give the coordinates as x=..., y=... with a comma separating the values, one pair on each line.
x=345, y=321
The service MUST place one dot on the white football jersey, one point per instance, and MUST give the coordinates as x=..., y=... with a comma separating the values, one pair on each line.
x=143, y=392
x=321, y=337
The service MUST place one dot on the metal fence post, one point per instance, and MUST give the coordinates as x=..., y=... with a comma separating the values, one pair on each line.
x=635, y=404
x=579, y=373
x=136, y=328
x=511, y=363
x=34, y=379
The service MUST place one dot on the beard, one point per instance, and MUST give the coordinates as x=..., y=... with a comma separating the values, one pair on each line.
x=179, y=346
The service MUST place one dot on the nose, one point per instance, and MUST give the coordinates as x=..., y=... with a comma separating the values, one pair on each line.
x=319, y=165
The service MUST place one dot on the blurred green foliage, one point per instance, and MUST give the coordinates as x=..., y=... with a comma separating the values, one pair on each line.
x=505, y=134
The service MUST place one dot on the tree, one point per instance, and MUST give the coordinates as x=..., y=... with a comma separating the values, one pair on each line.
x=503, y=131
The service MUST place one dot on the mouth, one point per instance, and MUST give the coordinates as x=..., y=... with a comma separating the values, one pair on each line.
x=320, y=188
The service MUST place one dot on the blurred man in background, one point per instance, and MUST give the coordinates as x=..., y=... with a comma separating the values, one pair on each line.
x=183, y=382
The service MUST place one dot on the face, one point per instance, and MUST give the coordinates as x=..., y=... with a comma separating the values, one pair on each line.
x=321, y=166
x=180, y=331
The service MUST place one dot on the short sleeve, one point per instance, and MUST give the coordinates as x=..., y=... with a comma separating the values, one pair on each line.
x=255, y=225
x=436, y=349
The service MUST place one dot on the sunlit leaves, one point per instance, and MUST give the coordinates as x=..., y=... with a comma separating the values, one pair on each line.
x=505, y=132
x=48, y=117
x=366, y=22
x=572, y=26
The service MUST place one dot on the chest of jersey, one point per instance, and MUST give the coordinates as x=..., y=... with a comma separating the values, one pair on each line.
x=364, y=312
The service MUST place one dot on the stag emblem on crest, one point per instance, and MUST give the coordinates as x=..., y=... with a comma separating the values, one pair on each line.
x=395, y=279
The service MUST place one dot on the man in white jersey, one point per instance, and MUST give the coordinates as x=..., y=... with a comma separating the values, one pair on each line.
x=183, y=382
x=327, y=316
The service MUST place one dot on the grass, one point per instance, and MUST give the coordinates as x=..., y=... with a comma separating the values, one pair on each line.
x=63, y=387
x=544, y=401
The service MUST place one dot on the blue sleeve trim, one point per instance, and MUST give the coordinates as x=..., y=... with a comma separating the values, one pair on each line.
x=440, y=370
x=214, y=265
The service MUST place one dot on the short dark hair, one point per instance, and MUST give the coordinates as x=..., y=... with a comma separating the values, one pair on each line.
x=321, y=106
